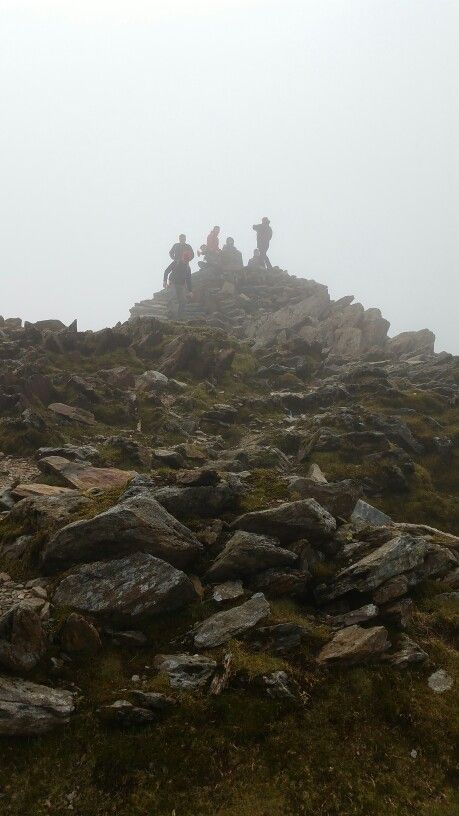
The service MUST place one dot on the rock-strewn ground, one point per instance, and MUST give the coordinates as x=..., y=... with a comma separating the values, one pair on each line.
x=229, y=564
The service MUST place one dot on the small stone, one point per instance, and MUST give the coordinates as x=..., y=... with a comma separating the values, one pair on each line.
x=440, y=681
x=228, y=591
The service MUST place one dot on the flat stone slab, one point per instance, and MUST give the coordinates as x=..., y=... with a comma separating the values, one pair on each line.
x=355, y=645
x=24, y=491
x=72, y=413
x=225, y=625
x=28, y=708
x=290, y=521
x=82, y=476
x=186, y=671
x=126, y=588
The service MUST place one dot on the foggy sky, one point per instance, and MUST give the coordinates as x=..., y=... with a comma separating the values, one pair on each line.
x=124, y=123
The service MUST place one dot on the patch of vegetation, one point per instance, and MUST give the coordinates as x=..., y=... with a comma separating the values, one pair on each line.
x=266, y=487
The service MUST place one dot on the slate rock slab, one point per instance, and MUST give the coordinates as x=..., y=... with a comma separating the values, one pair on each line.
x=186, y=671
x=223, y=626
x=339, y=498
x=290, y=521
x=72, y=413
x=400, y=554
x=355, y=645
x=126, y=588
x=83, y=476
x=28, y=708
x=139, y=524
x=24, y=491
x=249, y=553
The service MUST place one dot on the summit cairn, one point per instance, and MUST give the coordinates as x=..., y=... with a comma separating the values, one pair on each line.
x=270, y=307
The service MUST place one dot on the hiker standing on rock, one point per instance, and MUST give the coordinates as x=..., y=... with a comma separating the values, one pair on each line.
x=180, y=278
x=176, y=254
x=264, y=235
x=178, y=273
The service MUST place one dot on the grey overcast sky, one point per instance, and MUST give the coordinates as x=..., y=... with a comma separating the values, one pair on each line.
x=125, y=122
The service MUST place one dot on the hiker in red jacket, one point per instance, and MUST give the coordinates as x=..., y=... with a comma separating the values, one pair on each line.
x=264, y=235
x=212, y=245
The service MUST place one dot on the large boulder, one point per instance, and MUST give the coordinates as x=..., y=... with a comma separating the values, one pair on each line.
x=49, y=511
x=401, y=554
x=247, y=554
x=290, y=521
x=412, y=342
x=127, y=588
x=137, y=524
x=28, y=708
x=225, y=625
x=338, y=498
x=355, y=645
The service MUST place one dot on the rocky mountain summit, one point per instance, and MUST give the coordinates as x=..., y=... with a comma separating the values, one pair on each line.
x=229, y=572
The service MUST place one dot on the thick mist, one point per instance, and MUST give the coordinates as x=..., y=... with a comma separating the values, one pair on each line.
x=122, y=126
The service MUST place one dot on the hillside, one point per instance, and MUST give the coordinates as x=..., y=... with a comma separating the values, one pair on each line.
x=229, y=570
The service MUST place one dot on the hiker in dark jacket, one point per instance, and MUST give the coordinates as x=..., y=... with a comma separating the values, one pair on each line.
x=177, y=252
x=180, y=278
x=264, y=235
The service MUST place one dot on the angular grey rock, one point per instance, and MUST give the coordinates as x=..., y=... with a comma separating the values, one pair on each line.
x=362, y=615
x=398, y=555
x=28, y=708
x=137, y=524
x=225, y=625
x=186, y=671
x=247, y=554
x=290, y=521
x=228, y=591
x=412, y=342
x=126, y=589
x=355, y=645
x=392, y=589
x=339, y=498
x=279, y=686
x=316, y=475
x=408, y=653
x=72, y=413
x=364, y=512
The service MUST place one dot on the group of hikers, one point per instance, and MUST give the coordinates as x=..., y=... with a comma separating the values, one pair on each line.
x=228, y=257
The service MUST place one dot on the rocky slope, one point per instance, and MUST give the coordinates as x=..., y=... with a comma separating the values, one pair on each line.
x=229, y=560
